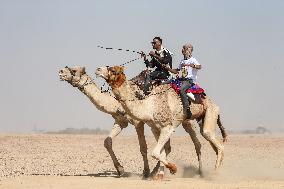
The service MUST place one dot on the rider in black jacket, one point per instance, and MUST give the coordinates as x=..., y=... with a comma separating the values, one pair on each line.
x=160, y=57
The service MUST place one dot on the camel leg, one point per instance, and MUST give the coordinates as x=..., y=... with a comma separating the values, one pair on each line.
x=159, y=151
x=208, y=132
x=222, y=128
x=212, y=144
x=188, y=128
x=161, y=168
x=166, y=150
x=200, y=123
x=143, y=148
x=116, y=129
x=158, y=168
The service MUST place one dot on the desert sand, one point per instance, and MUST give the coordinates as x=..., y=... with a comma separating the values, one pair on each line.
x=81, y=161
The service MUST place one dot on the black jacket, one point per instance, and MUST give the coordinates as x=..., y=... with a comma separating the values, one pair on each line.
x=167, y=60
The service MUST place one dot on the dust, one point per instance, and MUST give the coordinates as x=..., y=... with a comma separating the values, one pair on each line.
x=247, y=170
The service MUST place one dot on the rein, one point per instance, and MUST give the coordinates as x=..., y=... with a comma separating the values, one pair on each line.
x=135, y=99
x=123, y=65
x=126, y=50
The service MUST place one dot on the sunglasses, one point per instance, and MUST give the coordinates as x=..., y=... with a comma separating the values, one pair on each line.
x=153, y=42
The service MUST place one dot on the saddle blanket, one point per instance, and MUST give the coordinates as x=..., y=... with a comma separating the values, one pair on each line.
x=195, y=89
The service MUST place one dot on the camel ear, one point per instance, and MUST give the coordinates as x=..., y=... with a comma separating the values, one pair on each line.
x=83, y=70
x=79, y=70
x=112, y=69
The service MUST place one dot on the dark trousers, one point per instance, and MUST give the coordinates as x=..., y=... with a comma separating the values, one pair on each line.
x=152, y=76
x=186, y=84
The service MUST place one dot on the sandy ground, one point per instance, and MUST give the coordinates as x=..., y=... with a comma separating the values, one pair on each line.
x=81, y=161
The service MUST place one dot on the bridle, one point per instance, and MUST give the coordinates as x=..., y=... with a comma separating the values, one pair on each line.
x=78, y=84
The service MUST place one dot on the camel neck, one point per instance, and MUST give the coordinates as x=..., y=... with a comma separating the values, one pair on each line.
x=103, y=101
x=132, y=105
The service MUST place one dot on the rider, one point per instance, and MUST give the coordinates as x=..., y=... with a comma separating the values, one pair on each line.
x=189, y=66
x=160, y=57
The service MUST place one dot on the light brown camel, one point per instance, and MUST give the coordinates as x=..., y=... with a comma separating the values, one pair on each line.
x=163, y=112
x=105, y=102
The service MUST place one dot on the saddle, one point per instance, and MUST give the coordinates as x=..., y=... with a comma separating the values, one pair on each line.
x=139, y=80
x=196, y=90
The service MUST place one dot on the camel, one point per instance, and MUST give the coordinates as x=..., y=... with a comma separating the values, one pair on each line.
x=163, y=112
x=106, y=103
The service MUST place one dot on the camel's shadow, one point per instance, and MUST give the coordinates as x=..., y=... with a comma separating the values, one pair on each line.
x=112, y=174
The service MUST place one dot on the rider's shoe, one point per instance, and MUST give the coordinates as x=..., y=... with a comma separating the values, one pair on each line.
x=191, y=96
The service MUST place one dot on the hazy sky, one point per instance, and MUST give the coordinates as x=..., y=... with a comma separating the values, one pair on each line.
x=239, y=43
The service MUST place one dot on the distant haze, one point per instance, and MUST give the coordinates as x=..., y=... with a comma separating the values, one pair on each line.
x=240, y=45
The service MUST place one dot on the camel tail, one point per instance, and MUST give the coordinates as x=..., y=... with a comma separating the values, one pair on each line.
x=223, y=131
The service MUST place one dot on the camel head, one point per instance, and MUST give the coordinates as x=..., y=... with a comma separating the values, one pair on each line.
x=72, y=75
x=114, y=76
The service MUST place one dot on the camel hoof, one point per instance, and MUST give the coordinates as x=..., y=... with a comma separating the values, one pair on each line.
x=158, y=177
x=120, y=170
x=172, y=167
x=201, y=174
x=155, y=170
x=146, y=174
x=220, y=157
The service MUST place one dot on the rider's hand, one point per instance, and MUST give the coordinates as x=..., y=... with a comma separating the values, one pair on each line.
x=143, y=55
x=177, y=75
x=191, y=65
x=152, y=53
x=163, y=66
